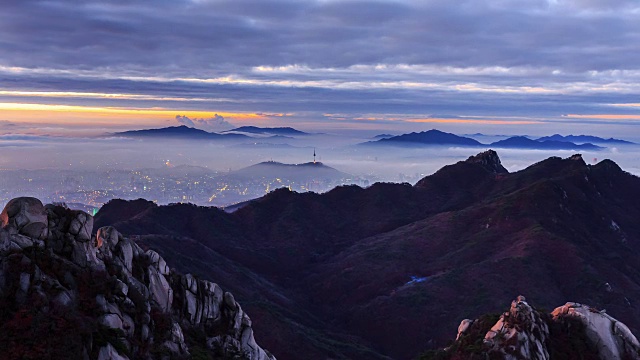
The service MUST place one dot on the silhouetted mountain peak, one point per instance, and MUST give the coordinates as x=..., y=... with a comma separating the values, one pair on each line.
x=489, y=160
x=578, y=158
x=584, y=139
x=608, y=165
x=179, y=132
x=298, y=172
x=523, y=142
x=430, y=137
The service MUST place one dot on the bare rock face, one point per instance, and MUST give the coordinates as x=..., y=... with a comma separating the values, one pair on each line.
x=612, y=338
x=106, y=296
x=464, y=327
x=26, y=216
x=519, y=334
x=571, y=331
x=489, y=160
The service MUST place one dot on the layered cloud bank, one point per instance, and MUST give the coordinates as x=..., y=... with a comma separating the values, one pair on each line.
x=390, y=62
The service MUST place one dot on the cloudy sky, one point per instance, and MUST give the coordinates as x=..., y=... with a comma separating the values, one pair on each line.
x=493, y=66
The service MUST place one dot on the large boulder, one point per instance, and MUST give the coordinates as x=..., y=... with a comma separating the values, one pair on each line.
x=612, y=338
x=26, y=216
x=69, y=234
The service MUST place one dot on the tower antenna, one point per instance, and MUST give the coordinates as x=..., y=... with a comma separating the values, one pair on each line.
x=314, y=155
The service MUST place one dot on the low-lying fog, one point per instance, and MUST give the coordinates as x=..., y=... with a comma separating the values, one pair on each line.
x=91, y=158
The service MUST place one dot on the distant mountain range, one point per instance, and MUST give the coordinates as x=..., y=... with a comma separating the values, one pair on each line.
x=425, y=138
x=180, y=132
x=578, y=139
x=440, y=138
x=283, y=131
x=521, y=142
x=390, y=270
x=431, y=137
x=185, y=132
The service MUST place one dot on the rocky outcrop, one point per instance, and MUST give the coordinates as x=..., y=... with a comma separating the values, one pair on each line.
x=25, y=216
x=571, y=331
x=519, y=334
x=488, y=160
x=612, y=339
x=108, y=297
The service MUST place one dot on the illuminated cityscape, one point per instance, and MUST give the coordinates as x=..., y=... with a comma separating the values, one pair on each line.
x=90, y=189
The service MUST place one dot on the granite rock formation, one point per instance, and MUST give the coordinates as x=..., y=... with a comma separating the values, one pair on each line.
x=571, y=331
x=108, y=297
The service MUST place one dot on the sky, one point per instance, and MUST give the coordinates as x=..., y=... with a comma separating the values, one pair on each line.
x=85, y=67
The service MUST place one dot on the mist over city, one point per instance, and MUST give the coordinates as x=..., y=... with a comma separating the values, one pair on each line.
x=86, y=172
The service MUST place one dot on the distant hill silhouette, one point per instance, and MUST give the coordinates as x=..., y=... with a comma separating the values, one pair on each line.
x=180, y=132
x=584, y=139
x=382, y=136
x=521, y=142
x=431, y=137
x=284, y=131
x=440, y=138
x=301, y=172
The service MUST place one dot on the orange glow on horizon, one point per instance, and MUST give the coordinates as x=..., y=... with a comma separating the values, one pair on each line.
x=89, y=115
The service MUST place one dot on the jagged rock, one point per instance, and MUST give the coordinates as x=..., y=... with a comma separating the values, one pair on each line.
x=159, y=289
x=108, y=352
x=64, y=298
x=612, y=338
x=158, y=262
x=229, y=300
x=524, y=333
x=138, y=303
x=26, y=216
x=81, y=226
x=175, y=343
x=121, y=288
x=201, y=300
x=463, y=327
x=22, y=241
x=488, y=160
x=107, y=236
x=69, y=234
x=112, y=321
x=519, y=334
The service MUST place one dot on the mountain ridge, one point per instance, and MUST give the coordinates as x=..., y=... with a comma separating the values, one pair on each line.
x=180, y=132
x=439, y=138
x=470, y=235
x=584, y=139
